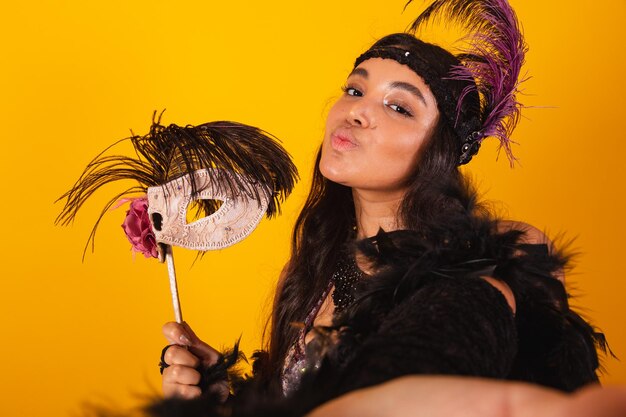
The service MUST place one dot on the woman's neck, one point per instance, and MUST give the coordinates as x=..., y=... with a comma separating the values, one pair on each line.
x=374, y=210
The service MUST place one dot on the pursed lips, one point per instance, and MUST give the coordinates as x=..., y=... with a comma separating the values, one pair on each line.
x=343, y=140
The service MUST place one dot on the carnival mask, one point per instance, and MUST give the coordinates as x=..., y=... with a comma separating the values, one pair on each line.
x=237, y=216
x=233, y=173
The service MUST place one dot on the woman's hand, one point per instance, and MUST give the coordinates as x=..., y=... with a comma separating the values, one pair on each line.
x=187, y=358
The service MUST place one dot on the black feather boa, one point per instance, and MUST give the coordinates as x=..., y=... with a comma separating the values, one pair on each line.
x=427, y=311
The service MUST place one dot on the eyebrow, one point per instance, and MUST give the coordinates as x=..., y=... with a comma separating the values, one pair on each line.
x=359, y=71
x=410, y=88
x=396, y=84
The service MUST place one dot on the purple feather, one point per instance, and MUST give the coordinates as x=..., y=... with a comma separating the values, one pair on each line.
x=493, y=58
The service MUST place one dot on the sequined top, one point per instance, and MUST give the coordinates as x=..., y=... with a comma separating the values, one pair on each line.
x=346, y=276
x=295, y=361
x=342, y=284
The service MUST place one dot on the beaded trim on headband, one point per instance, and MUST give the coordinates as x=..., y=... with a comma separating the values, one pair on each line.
x=467, y=130
x=470, y=146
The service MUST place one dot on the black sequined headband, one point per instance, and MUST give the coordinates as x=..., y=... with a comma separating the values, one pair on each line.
x=489, y=64
x=467, y=130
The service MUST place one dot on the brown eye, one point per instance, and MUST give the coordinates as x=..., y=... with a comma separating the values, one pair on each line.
x=351, y=91
x=400, y=109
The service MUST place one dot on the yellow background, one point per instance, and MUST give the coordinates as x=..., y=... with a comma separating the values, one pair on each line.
x=77, y=75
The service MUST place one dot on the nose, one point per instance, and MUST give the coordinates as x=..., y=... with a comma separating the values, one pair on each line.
x=360, y=113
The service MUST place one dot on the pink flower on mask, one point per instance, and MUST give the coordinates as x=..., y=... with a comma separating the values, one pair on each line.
x=138, y=228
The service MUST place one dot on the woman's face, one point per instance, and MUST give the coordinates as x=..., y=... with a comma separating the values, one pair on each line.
x=375, y=131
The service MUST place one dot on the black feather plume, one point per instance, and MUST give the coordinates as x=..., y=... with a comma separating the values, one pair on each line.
x=170, y=152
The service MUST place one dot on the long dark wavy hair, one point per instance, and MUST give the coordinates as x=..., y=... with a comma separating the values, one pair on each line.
x=324, y=229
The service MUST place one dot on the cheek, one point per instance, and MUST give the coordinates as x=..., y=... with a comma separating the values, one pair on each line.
x=404, y=149
x=397, y=159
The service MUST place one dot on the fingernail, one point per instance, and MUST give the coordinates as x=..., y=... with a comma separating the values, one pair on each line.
x=184, y=339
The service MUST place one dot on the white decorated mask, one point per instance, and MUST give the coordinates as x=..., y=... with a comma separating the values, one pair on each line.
x=233, y=221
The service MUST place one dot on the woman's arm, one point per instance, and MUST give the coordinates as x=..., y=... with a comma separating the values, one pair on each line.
x=442, y=396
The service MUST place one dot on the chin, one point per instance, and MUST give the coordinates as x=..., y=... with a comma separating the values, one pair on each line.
x=329, y=174
x=332, y=174
x=335, y=169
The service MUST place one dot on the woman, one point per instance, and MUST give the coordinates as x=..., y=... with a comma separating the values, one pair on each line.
x=396, y=270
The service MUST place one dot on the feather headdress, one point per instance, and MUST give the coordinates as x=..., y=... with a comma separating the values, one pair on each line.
x=492, y=60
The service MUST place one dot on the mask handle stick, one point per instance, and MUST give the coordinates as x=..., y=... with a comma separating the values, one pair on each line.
x=171, y=272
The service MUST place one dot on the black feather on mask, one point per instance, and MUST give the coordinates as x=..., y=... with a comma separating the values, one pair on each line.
x=170, y=152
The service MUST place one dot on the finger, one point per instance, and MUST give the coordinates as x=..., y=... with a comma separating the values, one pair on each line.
x=182, y=334
x=181, y=391
x=207, y=355
x=176, y=334
x=179, y=374
x=179, y=355
x=205, y=352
